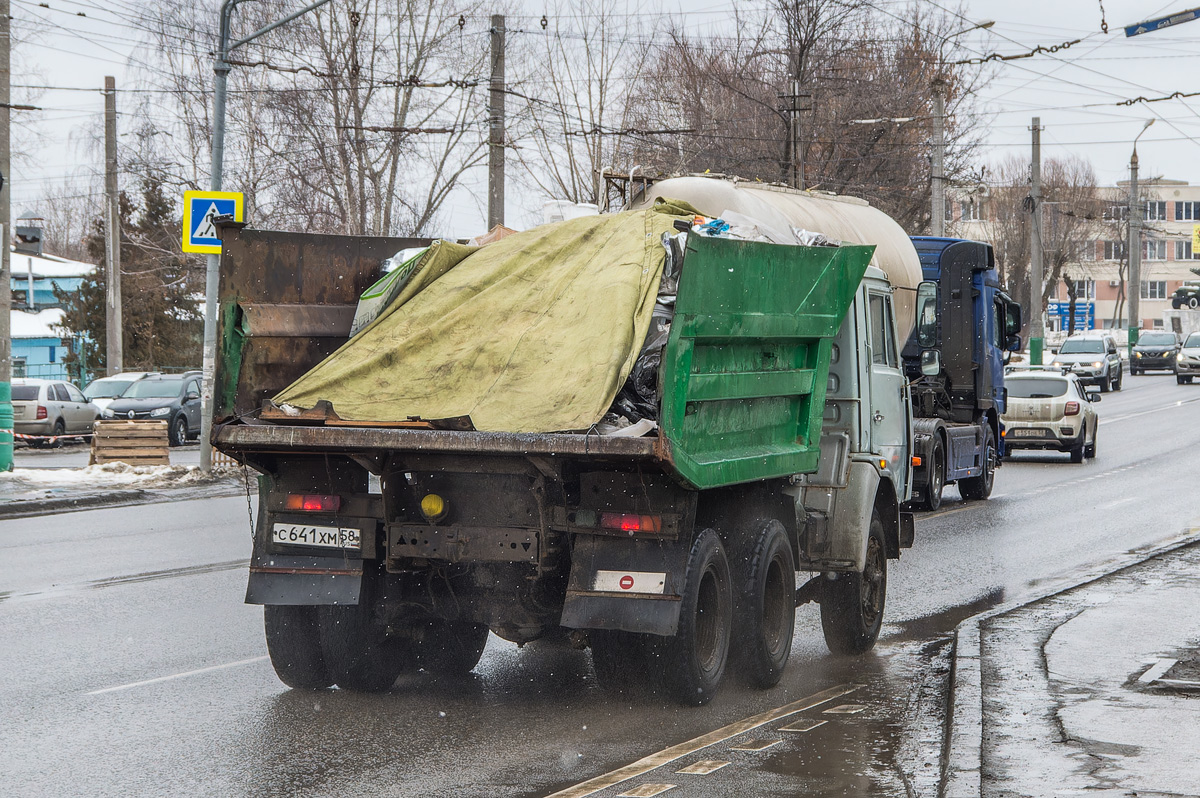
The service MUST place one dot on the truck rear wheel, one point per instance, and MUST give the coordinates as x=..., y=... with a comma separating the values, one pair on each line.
x=357, y=649
x=852, y=605
x=694, y=659
x=294, y=643
x=765, y=616
x=451, y=647
x=980, y=487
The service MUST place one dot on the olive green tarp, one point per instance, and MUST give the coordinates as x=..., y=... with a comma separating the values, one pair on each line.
x=534, y=333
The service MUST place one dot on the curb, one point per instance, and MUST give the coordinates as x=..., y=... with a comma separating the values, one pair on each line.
x=119, y=498
x=962, y=769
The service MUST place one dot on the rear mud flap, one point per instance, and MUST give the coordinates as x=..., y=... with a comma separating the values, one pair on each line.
x=600, y=566
x=304, y=581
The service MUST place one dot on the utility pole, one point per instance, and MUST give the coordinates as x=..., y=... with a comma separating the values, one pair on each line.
x=496, y=130
x=797, y=151
x=1037, y=326
x=114, y=328
x=1135, y=251
x=937, y=223
x=6, y=410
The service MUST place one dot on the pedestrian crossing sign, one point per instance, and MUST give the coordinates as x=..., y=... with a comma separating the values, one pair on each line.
x=199, y=210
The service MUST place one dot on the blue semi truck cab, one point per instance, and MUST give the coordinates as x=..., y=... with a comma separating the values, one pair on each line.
x=966, y=327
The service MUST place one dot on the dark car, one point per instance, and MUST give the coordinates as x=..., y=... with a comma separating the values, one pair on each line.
x=1154, y=350
x=173, y=398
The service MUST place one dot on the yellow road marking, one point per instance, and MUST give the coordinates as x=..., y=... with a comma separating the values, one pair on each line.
x=703, y=767
x=667, y=755
x=803, y=725
x=755, y=745
x=647, y=790
x=844, y=709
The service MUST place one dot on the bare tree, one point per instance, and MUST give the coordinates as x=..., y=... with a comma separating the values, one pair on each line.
x=571, y=90
x=359, y=118
x=868, y=76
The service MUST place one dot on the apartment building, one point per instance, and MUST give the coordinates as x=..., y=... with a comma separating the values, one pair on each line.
x=1171, y=215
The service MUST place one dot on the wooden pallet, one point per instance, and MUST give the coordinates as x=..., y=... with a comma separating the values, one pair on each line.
x=132, y=442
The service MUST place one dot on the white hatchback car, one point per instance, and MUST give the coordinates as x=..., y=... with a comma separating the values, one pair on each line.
x=1050, y=410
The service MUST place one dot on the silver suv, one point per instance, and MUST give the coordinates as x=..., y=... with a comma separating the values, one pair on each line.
x=1093, y=358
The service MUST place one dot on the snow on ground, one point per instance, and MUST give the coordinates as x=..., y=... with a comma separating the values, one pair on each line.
x=112, y=476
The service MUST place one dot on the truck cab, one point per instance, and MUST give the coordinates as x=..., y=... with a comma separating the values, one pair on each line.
x=966, y=327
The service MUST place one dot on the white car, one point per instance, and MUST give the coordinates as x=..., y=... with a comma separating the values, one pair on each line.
x=1187, y=362
x=1050, y=410
x=50, y=408
x=103, y=391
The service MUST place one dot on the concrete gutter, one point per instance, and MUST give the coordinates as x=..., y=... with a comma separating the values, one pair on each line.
x=962, y=774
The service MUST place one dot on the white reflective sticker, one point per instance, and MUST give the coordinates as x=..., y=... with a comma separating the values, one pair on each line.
x=630, y=582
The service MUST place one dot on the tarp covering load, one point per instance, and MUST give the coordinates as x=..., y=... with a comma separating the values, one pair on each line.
x=534, y=333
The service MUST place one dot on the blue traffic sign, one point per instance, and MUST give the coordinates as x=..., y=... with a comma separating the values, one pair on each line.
x=200, y=209
x=1162, y=22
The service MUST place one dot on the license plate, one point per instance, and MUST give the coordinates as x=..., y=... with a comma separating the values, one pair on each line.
x=330, y=537
x=1026, y=433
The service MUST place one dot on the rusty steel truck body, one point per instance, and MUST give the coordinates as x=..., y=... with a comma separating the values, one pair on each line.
x=780, y=443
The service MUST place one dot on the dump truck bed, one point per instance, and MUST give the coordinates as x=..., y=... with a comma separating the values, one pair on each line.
x=742, y=382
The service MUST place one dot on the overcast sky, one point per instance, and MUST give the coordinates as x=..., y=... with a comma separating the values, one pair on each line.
x=1077, y=91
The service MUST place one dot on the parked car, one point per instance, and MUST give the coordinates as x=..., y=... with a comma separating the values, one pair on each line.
x=1093, y=357
x=1187, y=362
x=51, y=408
x=1187, y=295
x=102, y=391
x=174, y=398
x=1050, y=410
x=1155, y=349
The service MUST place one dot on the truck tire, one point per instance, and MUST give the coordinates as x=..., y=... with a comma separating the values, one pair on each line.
x=357, y=650
x=294, y=643
x=852, y=605
x=765, y=614
x=935, y=480
x=451, y=647
x=1193, y=302
x=693, y=661
x=980, y=487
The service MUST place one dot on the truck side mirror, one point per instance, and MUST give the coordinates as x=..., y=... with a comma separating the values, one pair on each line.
x=931, y=362
x=927, y=316
x=1013, y=343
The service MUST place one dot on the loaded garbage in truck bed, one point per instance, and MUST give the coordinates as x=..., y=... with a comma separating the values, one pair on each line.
x=493, y=399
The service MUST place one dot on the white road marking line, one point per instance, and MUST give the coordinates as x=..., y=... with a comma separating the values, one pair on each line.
x=1172, y=406
x=844, y=709
x=667, y=755
x=1118, y=503
x=802, y=726
x=174, y=676
x=1157, y=670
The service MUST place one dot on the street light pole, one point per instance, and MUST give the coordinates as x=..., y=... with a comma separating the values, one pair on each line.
x=221, y=67
x=1135, y=244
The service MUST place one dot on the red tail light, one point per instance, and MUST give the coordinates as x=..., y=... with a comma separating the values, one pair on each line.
x=41, y=412
x=627, y=522
x=1072, y=409
x=313, y=502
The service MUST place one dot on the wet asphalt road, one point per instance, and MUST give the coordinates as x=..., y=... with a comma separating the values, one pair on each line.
x=132, y=667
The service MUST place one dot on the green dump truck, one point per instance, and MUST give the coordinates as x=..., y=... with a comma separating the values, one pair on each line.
x=446, y=471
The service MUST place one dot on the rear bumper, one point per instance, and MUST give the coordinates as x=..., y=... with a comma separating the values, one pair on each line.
x=1052, y=440
x=42, y=427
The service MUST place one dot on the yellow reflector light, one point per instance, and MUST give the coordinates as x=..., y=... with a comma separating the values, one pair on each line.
x=433, y=507
x=916, y=461
x=882, y=463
